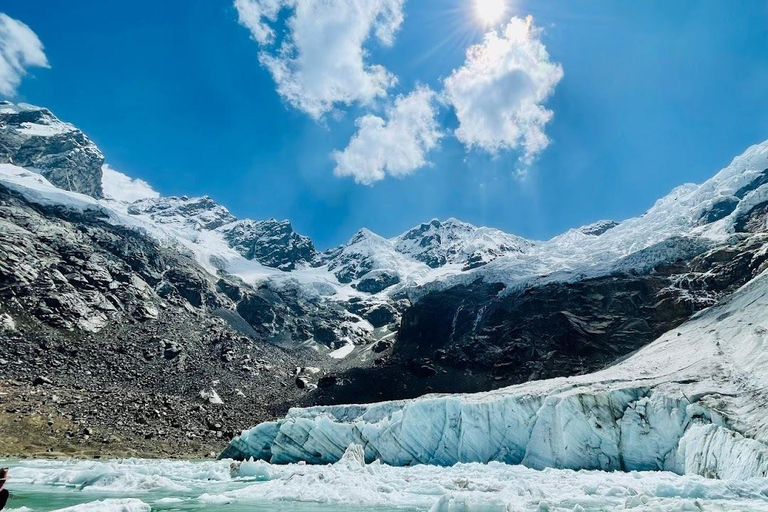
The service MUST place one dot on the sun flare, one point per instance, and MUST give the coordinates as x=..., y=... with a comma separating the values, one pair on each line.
x=490, y=11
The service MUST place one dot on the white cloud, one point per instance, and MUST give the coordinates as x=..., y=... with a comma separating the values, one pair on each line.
x=322, y=61
x=499, y=90
x=121, y=188
x=396, y=146
x=20, y=48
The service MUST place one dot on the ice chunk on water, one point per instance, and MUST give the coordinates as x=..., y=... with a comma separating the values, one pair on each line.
x=209, y=486
x=110, y=505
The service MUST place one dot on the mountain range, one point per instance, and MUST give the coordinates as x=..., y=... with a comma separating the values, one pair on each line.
x=111, y=293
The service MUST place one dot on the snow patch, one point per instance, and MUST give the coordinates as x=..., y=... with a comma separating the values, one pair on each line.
x=341, y=353
x=7, y=323
x=211, y=396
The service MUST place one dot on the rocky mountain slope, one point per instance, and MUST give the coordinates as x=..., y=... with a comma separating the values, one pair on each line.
x=90, y=258
x=33, y=137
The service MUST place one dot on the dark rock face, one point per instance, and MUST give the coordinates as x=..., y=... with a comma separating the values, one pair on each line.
x=271, y=243
x=762, y=179
x=381, y=315
x=374, y=282
x=754, y=221
x=74, y=271
x=720, y=210
x=544, y=331
x=479, y=336
x=33, y=137
x=598, y=228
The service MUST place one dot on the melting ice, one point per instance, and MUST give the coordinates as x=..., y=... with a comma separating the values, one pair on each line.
x=352, y=485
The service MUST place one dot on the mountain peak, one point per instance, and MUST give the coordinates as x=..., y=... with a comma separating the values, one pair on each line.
x=438, y=243
x=270, y=242
x=36, y=139
x=198, y=212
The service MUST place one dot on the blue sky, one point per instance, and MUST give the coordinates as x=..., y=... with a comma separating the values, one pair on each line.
x=653, y=94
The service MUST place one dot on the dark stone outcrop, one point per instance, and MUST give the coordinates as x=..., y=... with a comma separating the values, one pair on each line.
x=271, y=243
x=480, y=336
x=33, y=137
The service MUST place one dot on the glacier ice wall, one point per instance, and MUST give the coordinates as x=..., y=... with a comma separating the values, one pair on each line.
x=692, y=402
x=625, y=429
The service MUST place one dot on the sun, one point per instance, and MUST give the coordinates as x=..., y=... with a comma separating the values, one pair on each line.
x=490, y=11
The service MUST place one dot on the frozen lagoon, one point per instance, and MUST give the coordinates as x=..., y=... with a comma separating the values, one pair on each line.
x=350, y=485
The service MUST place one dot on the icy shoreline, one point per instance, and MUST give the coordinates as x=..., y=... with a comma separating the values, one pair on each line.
x=352, y=486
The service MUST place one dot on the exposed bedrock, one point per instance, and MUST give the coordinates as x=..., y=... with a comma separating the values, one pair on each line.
x=480, y=336
x=33, y=137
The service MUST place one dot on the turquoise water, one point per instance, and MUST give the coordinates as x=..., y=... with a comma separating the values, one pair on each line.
x=48, y=500
x=46, y=486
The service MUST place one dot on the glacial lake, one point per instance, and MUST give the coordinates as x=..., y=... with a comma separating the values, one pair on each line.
x=143, y=485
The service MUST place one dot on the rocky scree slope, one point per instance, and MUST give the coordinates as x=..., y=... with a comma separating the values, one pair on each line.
x=112, y=344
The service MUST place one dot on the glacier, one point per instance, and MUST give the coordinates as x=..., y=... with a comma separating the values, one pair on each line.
x=693, y=402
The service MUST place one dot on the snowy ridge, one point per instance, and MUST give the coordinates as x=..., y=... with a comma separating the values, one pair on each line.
x=208, y=248
x=367, y=252
x=433, y=255
x=452, y=241
x=437, y=254
x=32, y=137
x=692, y=402
x=687, y=220
x=124, y=189
x=40, y=122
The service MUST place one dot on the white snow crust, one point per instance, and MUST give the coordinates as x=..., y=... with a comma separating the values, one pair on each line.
x=47, y=126
x=353, y=485
x=109, y=505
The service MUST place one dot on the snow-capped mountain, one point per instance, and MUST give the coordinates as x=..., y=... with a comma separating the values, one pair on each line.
x=271, y=242
x=372, y=262
x=445, y=306
x=422, y=254
x=197, y=213
x=33, y=137
x=439, y=243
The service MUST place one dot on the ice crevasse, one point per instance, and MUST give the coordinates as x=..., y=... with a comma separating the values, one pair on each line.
x=695, y=401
